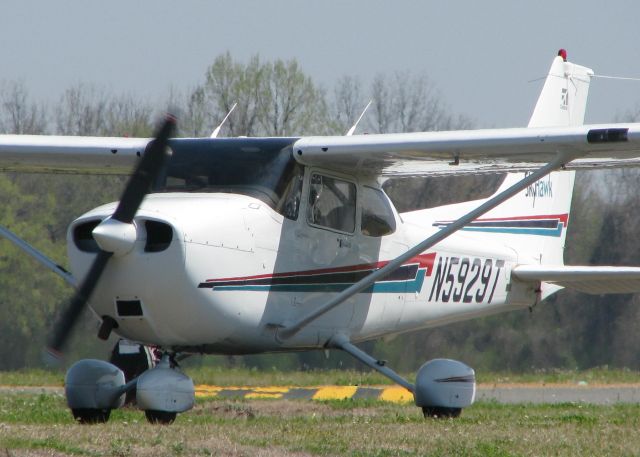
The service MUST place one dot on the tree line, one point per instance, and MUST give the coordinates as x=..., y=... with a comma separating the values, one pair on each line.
x=277, y=98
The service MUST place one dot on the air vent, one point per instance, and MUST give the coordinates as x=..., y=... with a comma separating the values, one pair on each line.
x=82, y=237
x=129, y=308
x=159, y=236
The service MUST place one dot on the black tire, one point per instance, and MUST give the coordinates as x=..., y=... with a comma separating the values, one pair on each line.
x=440, y=412
x=91, y=416
x=160, y=417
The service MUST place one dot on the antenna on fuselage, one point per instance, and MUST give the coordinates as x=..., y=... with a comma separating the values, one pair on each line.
x=353, y=128
x=215, y=132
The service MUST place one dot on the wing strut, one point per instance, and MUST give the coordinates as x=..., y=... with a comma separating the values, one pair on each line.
x=39, y=256
x=290, y=330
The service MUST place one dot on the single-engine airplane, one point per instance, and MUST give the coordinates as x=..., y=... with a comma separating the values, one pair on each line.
x=252, y=245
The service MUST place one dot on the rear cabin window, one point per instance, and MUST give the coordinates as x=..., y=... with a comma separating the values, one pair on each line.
x=332, y=203
x=377, y=216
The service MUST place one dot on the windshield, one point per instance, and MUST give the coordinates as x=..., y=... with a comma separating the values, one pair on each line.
x=261, y=168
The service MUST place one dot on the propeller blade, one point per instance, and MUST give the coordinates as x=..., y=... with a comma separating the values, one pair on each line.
x=71, y=315
x=138, y=186
x=145, y=173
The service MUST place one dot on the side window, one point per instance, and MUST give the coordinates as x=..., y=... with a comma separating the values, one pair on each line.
x=332, y=203
x=377, y=215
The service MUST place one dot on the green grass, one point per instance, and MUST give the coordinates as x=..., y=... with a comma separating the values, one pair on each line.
x=32, y=377
x=253, y=377
x=41, y=423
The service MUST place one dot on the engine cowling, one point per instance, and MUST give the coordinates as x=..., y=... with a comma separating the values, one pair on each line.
x=444, y=385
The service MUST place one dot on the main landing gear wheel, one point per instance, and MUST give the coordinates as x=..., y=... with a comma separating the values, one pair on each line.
x=440, y=412
x=160, y=417
x=91, y=416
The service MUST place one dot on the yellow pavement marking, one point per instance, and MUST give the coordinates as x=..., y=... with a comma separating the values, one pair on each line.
x=335, y=392
x=393, y=394
x=271, y=389
x=262, y=395
x=206, y=391
x=267, y=392
x=396, y=395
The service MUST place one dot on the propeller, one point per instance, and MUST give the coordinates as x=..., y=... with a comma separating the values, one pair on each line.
x=140, y=182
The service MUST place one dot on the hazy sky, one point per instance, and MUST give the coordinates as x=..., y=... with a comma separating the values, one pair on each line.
x=481, y=54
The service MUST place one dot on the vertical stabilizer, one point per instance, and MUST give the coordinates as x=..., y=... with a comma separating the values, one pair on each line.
x=544, y=206
x=563, y=99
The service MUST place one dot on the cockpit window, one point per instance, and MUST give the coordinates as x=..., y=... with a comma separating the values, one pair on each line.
x=377, y=216
x=332, y=203
x=261, y=168
x=289, y=204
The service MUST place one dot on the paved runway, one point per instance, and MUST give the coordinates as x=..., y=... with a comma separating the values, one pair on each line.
x=560, y=393
x=502, y=393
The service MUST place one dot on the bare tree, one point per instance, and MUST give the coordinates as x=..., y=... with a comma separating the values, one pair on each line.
x=410, y=103
x=82, y=110
x=348, y=103
x=19, y=115
x=127, y=116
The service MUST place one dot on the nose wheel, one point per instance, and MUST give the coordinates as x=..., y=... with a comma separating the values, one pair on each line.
x=91, y=415
x=439, y=412
x=133, y=359
x=160, y=417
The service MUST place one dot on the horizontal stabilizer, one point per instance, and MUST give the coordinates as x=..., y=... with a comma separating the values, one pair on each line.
x=591, y=280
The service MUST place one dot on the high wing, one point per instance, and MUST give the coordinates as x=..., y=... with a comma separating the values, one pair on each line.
x=70, y=154
x=402, y=154
x=474, y=151
x=591, y=280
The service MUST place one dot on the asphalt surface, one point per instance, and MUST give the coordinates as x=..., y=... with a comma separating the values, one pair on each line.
x=509, y=394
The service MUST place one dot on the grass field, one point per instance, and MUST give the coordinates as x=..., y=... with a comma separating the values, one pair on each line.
x=248, y=377
x=38, y=425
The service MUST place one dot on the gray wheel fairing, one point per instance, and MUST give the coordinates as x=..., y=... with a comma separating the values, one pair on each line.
x=94, y=384
x=445, y=383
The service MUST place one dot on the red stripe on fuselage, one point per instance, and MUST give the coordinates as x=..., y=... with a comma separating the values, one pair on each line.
x=423, y=260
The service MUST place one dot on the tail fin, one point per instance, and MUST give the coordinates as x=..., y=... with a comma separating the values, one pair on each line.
x=542, y=210
x=563, y=99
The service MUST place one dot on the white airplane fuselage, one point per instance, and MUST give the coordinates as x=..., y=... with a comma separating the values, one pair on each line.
x=235, y=270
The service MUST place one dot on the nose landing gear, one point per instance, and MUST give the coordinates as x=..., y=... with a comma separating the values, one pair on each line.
x=94, y=387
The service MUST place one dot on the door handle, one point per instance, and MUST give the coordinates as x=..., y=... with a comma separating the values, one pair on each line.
x=344, y=243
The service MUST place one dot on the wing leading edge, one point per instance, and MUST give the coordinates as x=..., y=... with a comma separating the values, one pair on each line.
x=591, y=280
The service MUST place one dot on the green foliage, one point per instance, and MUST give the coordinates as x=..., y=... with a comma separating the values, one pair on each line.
x=39, y=208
